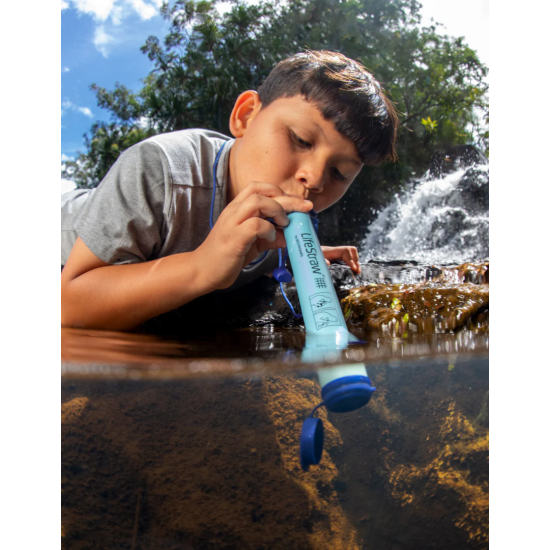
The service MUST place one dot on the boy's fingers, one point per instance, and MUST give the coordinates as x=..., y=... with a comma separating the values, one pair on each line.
x=261, y=206
x=294, y=204
x=290, y=203
x=348, y=254
x=279, y=242
x=355, y=259
x=259, y=188
x=256, y=228
x=351, y=259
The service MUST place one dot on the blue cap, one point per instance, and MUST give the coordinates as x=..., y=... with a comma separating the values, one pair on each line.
x=311, y=442
x=347, y=393
x=282, y=274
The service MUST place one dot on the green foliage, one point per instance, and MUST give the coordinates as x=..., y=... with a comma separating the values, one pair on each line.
x=429, y=124
x=206, y=60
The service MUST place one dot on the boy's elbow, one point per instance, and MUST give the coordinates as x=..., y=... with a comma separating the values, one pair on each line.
x=69, y=313
x=76, y=304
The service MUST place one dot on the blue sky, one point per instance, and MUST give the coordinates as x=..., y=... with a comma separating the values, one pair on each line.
x=100, y=41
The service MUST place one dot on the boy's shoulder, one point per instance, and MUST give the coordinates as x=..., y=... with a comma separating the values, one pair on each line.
x=190, y=142
x=189, y=153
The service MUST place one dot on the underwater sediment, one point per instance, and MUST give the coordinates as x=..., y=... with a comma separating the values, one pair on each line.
x=195, y=465
x=213, y=462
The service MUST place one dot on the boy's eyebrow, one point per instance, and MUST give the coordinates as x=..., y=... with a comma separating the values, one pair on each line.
x=350, y=159
x=322, y=131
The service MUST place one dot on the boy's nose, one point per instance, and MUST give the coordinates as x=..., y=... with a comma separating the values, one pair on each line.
x=311, y=179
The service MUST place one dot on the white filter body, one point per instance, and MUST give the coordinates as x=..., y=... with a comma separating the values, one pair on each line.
x=330, y=374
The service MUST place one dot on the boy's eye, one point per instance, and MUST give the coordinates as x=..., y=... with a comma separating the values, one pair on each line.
x=337, y=174
x=299, y=141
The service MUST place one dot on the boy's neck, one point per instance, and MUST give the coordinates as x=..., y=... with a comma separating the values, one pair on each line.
x=231, y=191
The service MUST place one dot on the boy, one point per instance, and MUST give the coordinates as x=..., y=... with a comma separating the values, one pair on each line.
x=143, y=240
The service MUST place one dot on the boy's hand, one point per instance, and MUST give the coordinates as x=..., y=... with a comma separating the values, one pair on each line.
x=347, y=254
x=242, y=231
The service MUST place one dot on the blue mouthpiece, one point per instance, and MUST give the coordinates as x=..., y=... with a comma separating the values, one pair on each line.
x=347, y=394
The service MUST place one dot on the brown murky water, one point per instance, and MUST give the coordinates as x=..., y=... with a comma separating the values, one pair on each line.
x=192, y=442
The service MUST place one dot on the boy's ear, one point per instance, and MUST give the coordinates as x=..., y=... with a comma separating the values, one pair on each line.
x=246, y=107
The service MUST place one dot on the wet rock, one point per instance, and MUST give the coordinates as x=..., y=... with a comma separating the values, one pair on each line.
x=454, y=158
x=472, y=192
x=262, y=303
x=433, y=306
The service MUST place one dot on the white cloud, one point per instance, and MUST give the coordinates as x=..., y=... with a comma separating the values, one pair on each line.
x=117, y=15
x=99, y=9
x=69, y=105
x=468, y=18
x=115, y=10
x=85, y=111
x=65, y=69
x=145, y=11
x=66, y=184
x=103, y=41
x=111, y=13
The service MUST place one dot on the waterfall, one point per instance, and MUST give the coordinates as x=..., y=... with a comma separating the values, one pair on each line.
x=442, y=221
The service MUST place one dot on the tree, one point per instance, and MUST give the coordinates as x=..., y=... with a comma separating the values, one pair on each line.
x=207, y=59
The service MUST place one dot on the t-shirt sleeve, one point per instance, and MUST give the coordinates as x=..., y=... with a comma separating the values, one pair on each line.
x=125, y=219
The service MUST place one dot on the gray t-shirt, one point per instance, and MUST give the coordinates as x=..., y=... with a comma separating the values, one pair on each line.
x=155, y=201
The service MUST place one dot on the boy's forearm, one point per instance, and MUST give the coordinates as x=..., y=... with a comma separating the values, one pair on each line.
x=121, y=297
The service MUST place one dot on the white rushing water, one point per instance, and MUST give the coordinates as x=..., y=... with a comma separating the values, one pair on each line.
x=442, y=220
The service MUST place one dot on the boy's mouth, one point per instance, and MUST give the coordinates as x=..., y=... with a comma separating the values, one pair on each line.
x=302, y=193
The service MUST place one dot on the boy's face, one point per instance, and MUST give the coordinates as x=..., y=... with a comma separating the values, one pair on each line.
x=291, y=145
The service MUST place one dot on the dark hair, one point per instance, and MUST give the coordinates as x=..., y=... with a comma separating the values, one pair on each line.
x=345, y=93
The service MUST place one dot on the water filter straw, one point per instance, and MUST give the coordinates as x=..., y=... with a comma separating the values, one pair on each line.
x=318, y=300
x=343, y=387
x=317, y=346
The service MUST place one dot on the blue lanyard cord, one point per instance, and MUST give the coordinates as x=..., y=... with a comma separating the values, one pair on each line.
x=314, y=220
x=258, y=261
x=215, y=182
x=281, y=264
x=214, y=196
x=297, y=315
x=321, y=404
